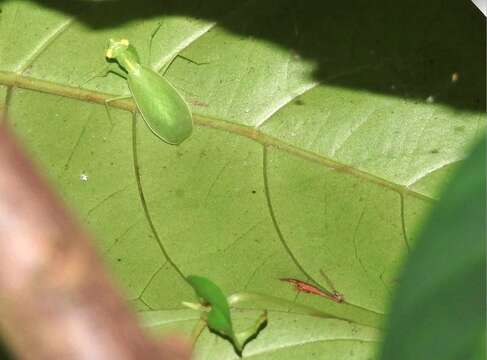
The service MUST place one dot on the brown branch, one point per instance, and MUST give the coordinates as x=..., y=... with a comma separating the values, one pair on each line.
x=56, y=301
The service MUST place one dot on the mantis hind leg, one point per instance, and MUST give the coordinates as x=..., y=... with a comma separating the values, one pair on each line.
x=107, y=106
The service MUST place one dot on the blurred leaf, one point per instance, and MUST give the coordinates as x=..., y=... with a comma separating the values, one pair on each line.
x=439, y=308
x=315, y=147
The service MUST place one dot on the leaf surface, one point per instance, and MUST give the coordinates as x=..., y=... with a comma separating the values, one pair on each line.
x=315, y=148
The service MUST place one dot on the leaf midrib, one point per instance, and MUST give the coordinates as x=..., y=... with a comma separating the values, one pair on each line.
x=13, y=80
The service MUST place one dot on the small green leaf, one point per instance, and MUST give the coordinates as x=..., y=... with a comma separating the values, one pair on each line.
x=219, y=318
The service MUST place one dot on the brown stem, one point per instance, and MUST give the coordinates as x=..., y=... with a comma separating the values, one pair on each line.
x=56, y=301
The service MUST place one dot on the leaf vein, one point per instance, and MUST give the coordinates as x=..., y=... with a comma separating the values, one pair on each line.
x=44, y=45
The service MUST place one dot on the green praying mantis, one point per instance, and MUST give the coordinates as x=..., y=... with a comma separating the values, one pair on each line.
x=163, y=109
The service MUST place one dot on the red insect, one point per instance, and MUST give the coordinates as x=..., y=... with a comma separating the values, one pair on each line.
x=311, y=289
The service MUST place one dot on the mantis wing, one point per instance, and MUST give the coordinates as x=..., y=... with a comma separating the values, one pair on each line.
x=162, y=107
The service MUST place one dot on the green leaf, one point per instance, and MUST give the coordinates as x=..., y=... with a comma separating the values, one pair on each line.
x=315, y=148
x=219, y=318
x=439, y=309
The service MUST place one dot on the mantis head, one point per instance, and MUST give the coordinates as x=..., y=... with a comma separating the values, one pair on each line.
x=122, y=51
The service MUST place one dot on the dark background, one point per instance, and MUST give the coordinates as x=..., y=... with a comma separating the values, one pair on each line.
x=412, y=47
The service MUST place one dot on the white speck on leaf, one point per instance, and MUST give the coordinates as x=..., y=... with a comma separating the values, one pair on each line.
x=83, y=177
x=430, y=99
